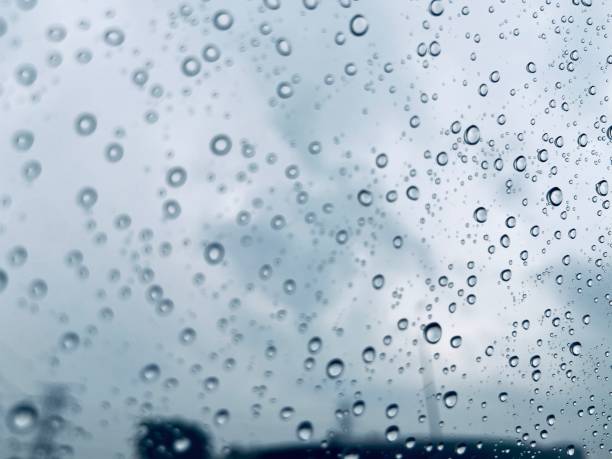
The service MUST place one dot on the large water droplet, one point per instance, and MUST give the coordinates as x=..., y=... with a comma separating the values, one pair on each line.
x=480, y=214
x=369, y=354
x=359, y=25
x=22, y=418
x=450, y=399
x=432, y=332
x=392, y=433
x=576, y=348
x=471, y=136
x=304, y=431
x=554, y=196
x=602, y=187
x=214, y=253
x=335, y=368
x=150, y=373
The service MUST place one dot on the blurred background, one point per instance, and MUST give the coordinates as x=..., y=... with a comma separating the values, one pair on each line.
x=293, y=221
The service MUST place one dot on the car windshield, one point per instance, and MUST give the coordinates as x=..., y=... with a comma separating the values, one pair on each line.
x=332, y=229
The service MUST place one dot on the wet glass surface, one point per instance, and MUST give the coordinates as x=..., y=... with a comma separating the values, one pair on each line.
x=305, y=228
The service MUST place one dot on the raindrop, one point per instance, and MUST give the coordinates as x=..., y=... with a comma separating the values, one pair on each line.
x=359, y=25
x=214, y=253
x=531, y=67
x=506, y=275
x=412, y=192
x=176, y=177
x=392, y=433
x=113, y=152
x=359, y=407
x=378, y=281
x=369, y=354
x=576, y=348
x=85, y=124
x=114, y=36
x=480, y=214
x=211, y=53
x=284, y=90
x=304, y=431
x=471, y=136
x=450, y=399
x=315, y=344
x=221, y=144
x=455, y=341
x=223, y=20
x=69, y=341
x=286, y=413
x=335, y=368
x=432, y=332
x=87, y=198
x=26, y=74
x=436, y=8
x=222, y=417
x=554, y=196
x=187, y=336
x=392, y=410
x=22, y=418
x=150, y=373
x=602, y=187
x=442, y=158
x=365, y=198
x=191, y=66
x=23, y=140
x=283, y=47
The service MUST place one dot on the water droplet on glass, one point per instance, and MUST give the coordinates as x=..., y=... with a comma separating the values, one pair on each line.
x=455, y=341
x=378, y=281
x=450, y=399
x=436, y=8
x=576, y=348
x=304, y=431
x=554, y=196
x=150, y=373
x=314, y=345
x=412, y=192
x=222, y=417
x=223, y=20
x=221, y=144
x=432, y=332
x=602, y=187
x=480, y=214
x=392, y=410
x=369, y=354
x=471, y=136
x=85, y=124
x=22, y=418
x=359, y=25
x=392, y=433
x=335, y=368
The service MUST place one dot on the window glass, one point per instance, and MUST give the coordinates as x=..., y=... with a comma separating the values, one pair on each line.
x=305, y=228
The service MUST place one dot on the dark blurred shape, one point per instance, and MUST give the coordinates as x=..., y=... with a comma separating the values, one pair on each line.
x=54, y=402
x=441, y=448
x=170, y=439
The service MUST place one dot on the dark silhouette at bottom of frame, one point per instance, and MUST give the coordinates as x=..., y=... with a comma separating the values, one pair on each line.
x=177, y=439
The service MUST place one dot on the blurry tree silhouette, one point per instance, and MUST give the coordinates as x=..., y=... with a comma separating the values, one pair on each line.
x=170, y=439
